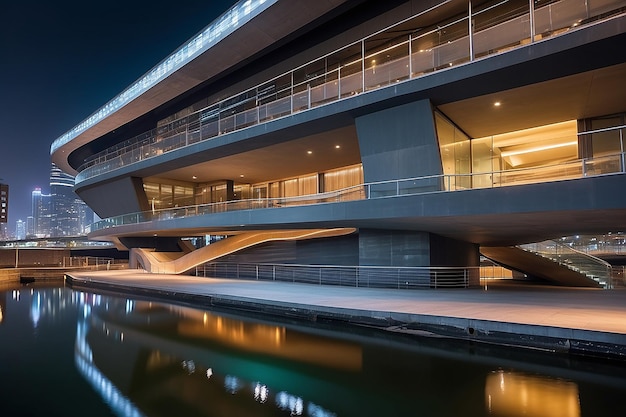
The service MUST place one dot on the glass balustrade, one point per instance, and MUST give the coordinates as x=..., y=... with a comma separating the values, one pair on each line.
x=372, y=63
x=613, y=164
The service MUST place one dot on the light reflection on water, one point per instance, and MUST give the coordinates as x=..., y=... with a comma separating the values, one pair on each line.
x=155, y=359
x=517, y=394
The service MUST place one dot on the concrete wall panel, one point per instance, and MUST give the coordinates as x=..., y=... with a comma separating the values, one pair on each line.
x=399, y=142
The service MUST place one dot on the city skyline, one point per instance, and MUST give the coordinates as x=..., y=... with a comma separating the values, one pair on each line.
x=64, y=62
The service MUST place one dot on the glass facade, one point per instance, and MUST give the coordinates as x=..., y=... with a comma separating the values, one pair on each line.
x=455, y=152
x=161, y=195
x=606, y=140
x=528, y=155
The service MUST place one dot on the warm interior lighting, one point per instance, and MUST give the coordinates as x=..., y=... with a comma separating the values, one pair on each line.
x=337, y=146
x=497, y=104
x=309, y=152
x=194, y=177
x=538, y=148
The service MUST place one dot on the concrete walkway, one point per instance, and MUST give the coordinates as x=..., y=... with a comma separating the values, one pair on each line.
x=585, y=321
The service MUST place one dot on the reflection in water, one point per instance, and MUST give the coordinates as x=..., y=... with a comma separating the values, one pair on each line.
x=515, y=394
x=155, y=359
x=101, y=318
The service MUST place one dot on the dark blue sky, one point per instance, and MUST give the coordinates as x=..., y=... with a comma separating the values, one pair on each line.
x=62, y=60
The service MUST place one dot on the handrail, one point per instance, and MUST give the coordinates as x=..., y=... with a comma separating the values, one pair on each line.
x=397, y=277
x=591, y=266
x=184, y=131
x=379, y=189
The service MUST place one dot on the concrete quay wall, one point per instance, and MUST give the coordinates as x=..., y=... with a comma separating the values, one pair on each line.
x=552, y=338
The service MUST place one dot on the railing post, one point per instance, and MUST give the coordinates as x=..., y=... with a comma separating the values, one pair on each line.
x=470, y=31
x=410, y=57
x=531, y=15
x=291, y=97
x=339, y=82
x=363, y=65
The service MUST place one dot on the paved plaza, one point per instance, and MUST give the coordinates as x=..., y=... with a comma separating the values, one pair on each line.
x=589, y=319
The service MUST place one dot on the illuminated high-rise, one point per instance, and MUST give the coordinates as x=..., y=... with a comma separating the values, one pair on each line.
x=69, y=215
x=4, y=203
x=41, y=213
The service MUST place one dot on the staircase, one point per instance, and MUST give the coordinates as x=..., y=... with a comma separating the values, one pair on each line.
x=592, y=267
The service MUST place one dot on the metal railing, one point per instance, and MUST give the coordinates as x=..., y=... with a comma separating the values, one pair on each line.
x=362, y=66
x=591, y=266
x=613, y=164
x=93, y=262
x=347, y=276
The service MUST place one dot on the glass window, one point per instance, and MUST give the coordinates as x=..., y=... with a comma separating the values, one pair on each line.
x=455, y=152
x=606, y=143
x=342, y=178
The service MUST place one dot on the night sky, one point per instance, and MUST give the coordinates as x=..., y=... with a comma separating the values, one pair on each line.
x=63, y=60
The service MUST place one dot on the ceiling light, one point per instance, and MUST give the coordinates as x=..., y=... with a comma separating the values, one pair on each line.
x=309, y=152
x=337, y=146
x=497, y=104
x=194, y=177
x=538, y=148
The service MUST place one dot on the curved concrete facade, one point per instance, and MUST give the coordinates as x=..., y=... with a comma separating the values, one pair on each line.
x=388, y=130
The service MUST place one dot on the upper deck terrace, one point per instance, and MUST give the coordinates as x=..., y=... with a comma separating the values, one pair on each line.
x=372, y=63
x=544, y=203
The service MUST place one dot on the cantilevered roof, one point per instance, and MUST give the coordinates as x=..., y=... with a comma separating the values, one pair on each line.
x=245, y=29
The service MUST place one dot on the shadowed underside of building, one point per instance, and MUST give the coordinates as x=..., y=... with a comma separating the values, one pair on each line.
x=422, y=130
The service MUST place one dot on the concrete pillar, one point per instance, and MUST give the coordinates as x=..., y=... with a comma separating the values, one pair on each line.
x=399, y=142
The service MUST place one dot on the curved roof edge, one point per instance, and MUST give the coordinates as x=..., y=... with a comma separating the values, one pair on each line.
x=236, y=16
x=193, y=63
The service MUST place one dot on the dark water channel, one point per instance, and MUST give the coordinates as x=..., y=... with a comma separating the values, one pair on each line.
x=70, y=353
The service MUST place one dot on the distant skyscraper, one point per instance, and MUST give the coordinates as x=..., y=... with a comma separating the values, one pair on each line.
x=41, y=213
x=4, y=203
x=69, y=214
x=20, y=230
x=30, y=226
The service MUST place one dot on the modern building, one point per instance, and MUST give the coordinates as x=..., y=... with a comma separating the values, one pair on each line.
x=42, y=218
x=30, y=226
x=357, y=133
x=70, y=216
x=20, y=230
x=4, y=203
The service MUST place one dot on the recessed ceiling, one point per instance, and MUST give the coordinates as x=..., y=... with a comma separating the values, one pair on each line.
x=590, y=94
x=316, y=153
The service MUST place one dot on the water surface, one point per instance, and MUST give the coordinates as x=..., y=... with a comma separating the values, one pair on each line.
x=71, y=353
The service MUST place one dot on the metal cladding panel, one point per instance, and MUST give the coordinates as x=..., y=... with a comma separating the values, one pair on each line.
x=125, y=195
x=399, y=142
